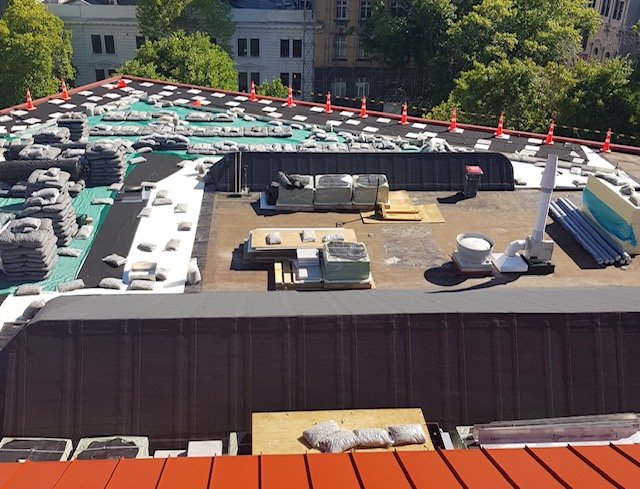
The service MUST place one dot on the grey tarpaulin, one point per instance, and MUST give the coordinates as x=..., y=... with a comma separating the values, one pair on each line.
x=196, y=365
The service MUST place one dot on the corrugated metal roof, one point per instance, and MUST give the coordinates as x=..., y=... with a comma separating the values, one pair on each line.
x=575, y=467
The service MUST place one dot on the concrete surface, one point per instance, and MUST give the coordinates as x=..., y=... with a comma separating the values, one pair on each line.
x=411, y=255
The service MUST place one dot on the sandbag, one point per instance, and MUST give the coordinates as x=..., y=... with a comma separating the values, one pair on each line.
x=18, y=170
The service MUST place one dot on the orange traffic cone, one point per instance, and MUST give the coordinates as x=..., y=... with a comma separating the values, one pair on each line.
x=121, y=83
x=403, y=117
x=252, y=95
x=290, y=98
x=549, y=139
x=65, y=94
x=327, y=105
x=453, y=125
x=196, y=103
x=606, y=147
x=30, y=105
x=363, y=108
x=499, y=131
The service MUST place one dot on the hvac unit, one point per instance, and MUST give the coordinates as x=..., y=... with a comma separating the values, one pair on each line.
x=295, y=191
x=334, y=189
x=369, y=189
x=35, y=449
x=112, y=447
x=345, y=262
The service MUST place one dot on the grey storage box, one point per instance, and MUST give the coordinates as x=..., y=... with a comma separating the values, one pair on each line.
x=112, y=448
x=345, y=262
x=369, y=189
x=335, y=189
x=35, y=449
x=297, y=197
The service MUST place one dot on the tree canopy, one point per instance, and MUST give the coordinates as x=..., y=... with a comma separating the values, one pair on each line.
x=273, y=88
x=160, y=18
x=35, y=50
x=184, y=58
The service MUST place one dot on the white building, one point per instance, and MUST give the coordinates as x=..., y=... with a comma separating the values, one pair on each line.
x=104, y=37
x=615, y=36
x=267, y=43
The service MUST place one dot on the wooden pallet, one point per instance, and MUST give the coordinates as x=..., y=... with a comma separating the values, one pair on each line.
x=285, y=280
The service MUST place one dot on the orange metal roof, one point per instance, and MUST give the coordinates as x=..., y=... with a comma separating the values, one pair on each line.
x=141, y=474
x=575, y=467
x=87, y=474
x=570, y=468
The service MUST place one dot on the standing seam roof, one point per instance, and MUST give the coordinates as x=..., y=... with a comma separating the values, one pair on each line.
x=575, y=467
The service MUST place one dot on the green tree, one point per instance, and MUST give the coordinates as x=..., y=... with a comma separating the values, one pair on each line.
x=184, y=58
x=415, y=34
x=35, y=50
x=602, y=97
x=528, y=93
x=542, y=30
x=273, y=88
x=160, y=18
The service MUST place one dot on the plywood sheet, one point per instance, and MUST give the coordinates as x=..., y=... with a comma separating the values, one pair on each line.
x=291, y=238
x=280, y=433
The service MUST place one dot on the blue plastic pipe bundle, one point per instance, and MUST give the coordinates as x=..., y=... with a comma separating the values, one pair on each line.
x=595, y=241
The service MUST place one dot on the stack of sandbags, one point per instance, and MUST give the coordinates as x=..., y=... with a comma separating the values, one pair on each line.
x=52, y=135
x=39, y=152
x=48, y=198
x=76, y=123
x=106, y=162
x=164, y=142
x=28, y=249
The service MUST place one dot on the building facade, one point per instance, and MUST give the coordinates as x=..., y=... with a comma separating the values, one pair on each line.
x=615, y=36
x=343, y=66
x=268, y=42
x=103, y=37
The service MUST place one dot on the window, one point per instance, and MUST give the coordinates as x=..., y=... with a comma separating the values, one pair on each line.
x=100, y=75
x=296, y=82
x=365, y=9
x=243, y=85
x=109, y=45
x=607, y=55
x=604, y=8
x=618, y=9
x=255, y=77
x=339, y=88
x=362, y=54
x=340, y=47
x=297, y=48
x=242, y=47
x=397, y=7
x=284, y=48
x=255, y=47
x=362, y=88
x=140, y=40
x=96, y=42
x=285, y=79
x=111, y=72
x=341, y=9
x=591, y=3
x=595, y=51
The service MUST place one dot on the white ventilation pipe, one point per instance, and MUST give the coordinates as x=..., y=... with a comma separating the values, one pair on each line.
x=514, y=246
